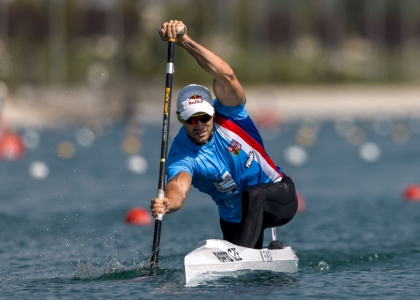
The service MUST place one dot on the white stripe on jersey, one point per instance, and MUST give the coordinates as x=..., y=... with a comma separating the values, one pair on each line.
x=268, y=170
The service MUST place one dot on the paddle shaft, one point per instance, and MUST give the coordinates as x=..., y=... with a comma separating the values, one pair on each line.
x=164, y=149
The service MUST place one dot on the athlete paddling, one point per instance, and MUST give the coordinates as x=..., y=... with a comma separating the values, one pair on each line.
x=219, y=151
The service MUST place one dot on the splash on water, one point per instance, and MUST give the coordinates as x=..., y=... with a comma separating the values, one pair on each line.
x=110, y=270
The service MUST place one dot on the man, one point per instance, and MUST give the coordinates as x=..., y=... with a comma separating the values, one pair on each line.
x=220, y=152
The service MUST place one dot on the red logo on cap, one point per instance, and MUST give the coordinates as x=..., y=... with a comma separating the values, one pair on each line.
x=196, y=99
x=195, y=96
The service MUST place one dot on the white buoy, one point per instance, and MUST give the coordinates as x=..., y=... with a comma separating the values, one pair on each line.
x=295, y=155
x=85, y=137
x=137, y=164
x=383, y=125
x=344, y=126
x=31, y=138
x=369, y=152
x=39, y=170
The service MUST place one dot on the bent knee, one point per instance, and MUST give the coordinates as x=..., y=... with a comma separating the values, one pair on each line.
x=285, y=194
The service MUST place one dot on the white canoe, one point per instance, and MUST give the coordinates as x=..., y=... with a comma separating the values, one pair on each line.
x=219, y=256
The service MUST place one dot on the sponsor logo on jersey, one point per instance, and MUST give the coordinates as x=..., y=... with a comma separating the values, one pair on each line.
x=250, y=159
x=234, y=147
x=225, y=184
x=231, y=193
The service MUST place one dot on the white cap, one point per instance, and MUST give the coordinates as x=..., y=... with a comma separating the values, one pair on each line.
x=193, y=99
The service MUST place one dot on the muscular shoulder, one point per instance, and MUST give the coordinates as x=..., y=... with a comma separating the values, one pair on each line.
x=180, y=152
x=180, y=156
x=236, y=112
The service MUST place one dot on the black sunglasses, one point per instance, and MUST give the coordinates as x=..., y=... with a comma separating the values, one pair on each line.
x=193, y=120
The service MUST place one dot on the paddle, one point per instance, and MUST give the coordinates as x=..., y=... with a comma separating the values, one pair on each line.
x=164, y=146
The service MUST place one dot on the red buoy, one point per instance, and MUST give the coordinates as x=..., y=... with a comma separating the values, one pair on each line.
x=11, y=146
x=301, y=202
x=412, y=193
x=138, y=216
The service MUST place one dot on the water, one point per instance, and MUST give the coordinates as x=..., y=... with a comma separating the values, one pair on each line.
x=64, y=236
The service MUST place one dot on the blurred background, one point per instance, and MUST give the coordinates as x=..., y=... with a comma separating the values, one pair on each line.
x=68, y=61
x=332, y=85
x=91, y=63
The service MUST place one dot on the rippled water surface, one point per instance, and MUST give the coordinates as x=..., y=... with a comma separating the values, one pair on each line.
x=63, y=233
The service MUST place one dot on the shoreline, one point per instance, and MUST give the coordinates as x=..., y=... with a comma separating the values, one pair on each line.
x=54, y=106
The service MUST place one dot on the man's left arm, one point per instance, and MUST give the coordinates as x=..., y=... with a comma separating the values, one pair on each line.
x=226, y=86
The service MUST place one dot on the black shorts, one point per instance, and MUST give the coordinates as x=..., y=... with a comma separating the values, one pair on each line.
x=263, y=205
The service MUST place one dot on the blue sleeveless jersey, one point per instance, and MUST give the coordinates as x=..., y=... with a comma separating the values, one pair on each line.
x=232, y=160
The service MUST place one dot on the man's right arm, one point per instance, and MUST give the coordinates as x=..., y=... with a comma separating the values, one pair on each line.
x=176, y=191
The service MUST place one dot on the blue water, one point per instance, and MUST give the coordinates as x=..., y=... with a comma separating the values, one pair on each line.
x=64, y=236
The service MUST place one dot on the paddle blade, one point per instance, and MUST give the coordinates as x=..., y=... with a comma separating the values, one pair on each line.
x=156, y=243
